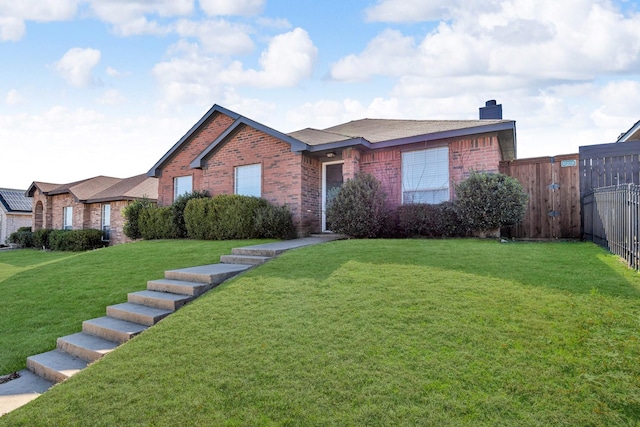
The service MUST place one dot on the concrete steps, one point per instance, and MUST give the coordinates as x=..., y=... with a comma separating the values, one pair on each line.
x=124, y=321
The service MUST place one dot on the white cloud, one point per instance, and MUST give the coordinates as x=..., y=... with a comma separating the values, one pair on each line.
x=289, y=58
x=11, y=29
x=217, y=36
x=38, y=10
x=130, y=17
x=59, y=136
x=198, y=78
x=76, y=66
x=532, y=41
x=232, y=7
x=420, y=10
x=112, y=72
x=14, y=98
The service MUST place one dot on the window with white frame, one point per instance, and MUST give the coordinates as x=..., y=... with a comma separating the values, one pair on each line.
x=182, y=185
x=248, y=180
x=425, y=176
x=106, y=222
x=67, y=218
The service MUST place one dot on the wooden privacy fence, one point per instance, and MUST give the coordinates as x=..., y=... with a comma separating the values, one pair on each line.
x=611, y=218
x=604, y=165
x=553, y=210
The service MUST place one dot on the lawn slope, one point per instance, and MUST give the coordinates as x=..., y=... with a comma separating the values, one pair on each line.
x=382, y=332
x=46, y=295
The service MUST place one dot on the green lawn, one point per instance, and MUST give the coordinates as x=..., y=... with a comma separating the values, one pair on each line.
x=46, y=295
x=382, y=332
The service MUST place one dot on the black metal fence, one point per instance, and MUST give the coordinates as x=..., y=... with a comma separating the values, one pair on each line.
x=611, y=218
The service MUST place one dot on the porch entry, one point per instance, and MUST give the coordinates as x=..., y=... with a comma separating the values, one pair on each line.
x=332, y=178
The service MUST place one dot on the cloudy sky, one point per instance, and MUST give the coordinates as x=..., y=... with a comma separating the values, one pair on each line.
x=106, y=87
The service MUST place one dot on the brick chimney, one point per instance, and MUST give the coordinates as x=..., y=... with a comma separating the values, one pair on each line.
x=491, y=111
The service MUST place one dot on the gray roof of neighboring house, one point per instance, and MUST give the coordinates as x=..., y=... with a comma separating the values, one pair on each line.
x=103, y=188
x=15, y=200
x=632, y=134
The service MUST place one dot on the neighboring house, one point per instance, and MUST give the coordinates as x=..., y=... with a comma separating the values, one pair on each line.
x=91, y=203
x=15, y=212
x=632, y=134
x=415, y=160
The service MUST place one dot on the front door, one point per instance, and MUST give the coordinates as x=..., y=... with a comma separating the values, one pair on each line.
x=331, y=180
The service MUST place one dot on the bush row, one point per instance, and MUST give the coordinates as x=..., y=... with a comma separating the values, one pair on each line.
x=484, y=202
x=198, y=216
x=59, y=240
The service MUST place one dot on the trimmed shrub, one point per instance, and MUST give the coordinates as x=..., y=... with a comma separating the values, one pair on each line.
x=488, y=201
x=23, y=237
x=432, y=221
x=131, y=214
x=223, y=217
x=41, y=238
x=178, y=207
x=358, y=208
x=156, y=223
x=275, y=222
x=75, y=240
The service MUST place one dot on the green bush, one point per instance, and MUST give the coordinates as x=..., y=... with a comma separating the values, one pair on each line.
x=178, y=207
x=358, y=209
x=131, y=214
x=75, y=240
x=41, y=238
x=275, y=222
x=23, y=237
x=432, y=221
x=156, y=223
x=223, y=217
x=488, y=201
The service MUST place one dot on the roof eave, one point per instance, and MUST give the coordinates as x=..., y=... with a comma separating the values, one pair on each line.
x=296, y=145
x=155, y=170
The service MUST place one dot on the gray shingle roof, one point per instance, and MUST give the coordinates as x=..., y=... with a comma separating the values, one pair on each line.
x=15, y=200
x=379, y=130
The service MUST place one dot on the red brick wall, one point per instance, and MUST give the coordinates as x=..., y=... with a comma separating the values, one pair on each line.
x=311, y=215
x=281, y=168
x=480, y=154
x=178, y=165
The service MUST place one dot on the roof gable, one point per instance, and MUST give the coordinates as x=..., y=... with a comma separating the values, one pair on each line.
x=15, y=200
x=296, y=145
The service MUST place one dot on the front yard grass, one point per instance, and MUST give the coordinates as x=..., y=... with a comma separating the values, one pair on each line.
x=46, y=295
x=378, y=333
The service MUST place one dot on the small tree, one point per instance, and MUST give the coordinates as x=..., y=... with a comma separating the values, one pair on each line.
x=488, y=201
x=358, y=208
x=131, y=215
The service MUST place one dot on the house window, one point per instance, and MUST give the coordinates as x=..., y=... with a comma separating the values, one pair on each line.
x=182, y=185
x=248, y=180
x=425, y=176
x=67, y=218
x=106, y=222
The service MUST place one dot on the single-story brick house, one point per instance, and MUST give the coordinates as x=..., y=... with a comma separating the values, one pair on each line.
x=15, y=212
x=94, y=203
x=415, y=160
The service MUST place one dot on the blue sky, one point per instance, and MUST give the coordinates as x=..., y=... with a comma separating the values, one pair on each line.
x=106, y=87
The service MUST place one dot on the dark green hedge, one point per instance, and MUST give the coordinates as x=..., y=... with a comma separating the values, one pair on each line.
x=156, y=223
x=75, y=240
x=223, y=217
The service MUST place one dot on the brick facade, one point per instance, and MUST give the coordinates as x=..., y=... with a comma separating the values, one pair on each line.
x=293, y=177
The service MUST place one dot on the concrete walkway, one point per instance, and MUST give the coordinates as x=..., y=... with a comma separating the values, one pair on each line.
x=28, y=386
